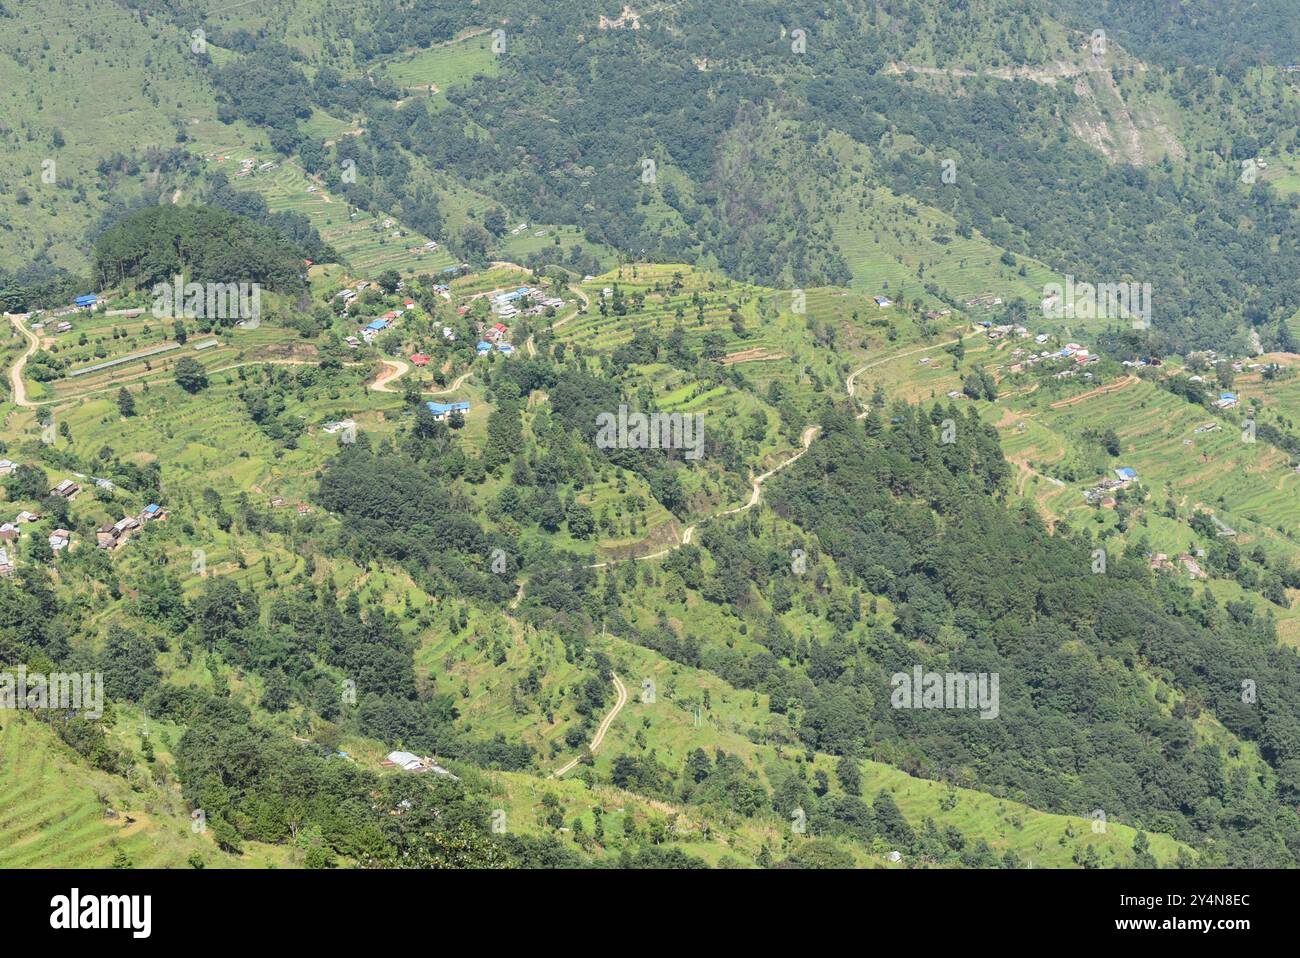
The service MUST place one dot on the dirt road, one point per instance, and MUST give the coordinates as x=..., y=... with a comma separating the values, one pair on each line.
x=16, y=373
x=599, y=737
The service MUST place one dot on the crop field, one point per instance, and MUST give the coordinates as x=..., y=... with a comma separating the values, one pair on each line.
x=895, y=246
x=551, y=238
x=498, y=278
x=1281, y=396
x=1282, y=172
x=136, y=360
x=441, y=65
x=1250, y=485
x=1216, y=469
x=52, y=813
x=323, y=126
x=361, y=238
x=661, y=304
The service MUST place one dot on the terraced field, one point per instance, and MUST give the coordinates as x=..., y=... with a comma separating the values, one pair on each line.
x=52, y=816
x=438, y=67
x=361, y=238
x=770, y=327
x=893, y=246
x=1250, y=485
x=730, y=719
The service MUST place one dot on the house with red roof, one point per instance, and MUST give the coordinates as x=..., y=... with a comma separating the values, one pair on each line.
x=420, y=359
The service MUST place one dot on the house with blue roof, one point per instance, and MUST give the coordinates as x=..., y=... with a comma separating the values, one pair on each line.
x=378, y=325
x=484, y=348
x=1126, y=473
x=1226, y=400
x=90, y=299
x=441, y=410
x=505, y=349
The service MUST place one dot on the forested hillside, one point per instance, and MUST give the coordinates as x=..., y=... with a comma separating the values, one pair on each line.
x=640, y=400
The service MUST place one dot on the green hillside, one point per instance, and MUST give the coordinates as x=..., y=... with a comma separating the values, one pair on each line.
x=636, y=403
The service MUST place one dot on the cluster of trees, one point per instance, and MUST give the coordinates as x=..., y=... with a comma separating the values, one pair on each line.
x=980, y=588
x=203, y=244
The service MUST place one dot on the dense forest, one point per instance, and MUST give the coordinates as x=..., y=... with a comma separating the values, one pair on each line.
x=204, y=244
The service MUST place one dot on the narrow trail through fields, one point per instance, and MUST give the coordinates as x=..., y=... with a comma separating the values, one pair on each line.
x=809, y=434
x=851, y=382
x=1114, y=387
x=608, y=720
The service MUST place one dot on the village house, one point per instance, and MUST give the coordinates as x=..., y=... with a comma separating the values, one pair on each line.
x=1160, y=561
x=409, y=762
x=405, y=761
x=8, y=532
x=6, y=564
x=1097, y=495
x=112, y=536
x=60, y=539
x=65, y=489
x=442, y=410
x=7, y=467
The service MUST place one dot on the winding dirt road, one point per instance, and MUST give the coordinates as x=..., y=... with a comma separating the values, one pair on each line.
x=384, y=381
x=16, y=373
x=754, y=498
x=851, y=384
x=606, y=722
